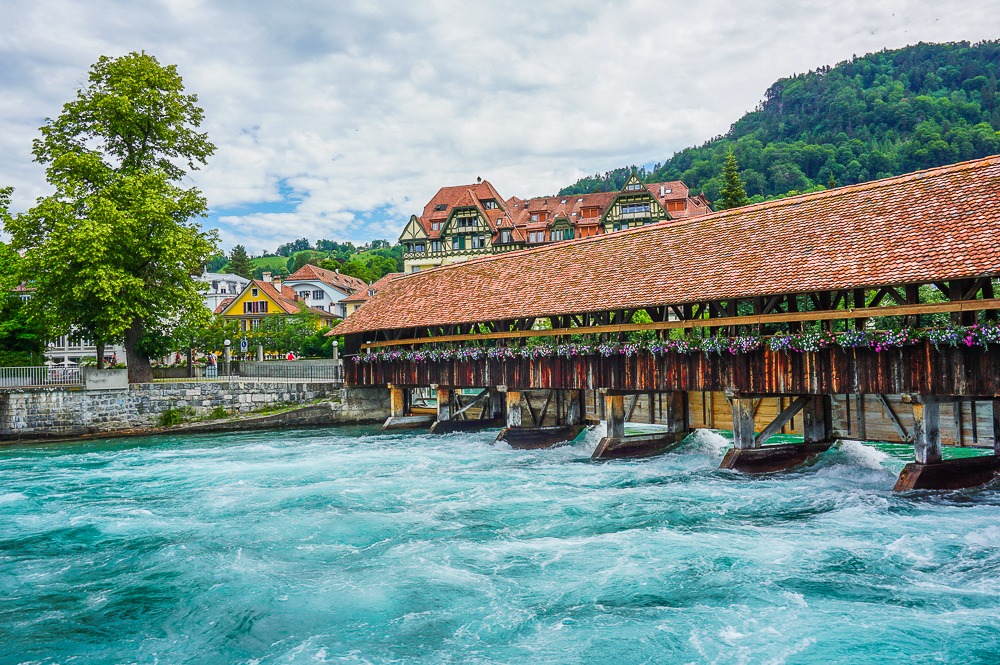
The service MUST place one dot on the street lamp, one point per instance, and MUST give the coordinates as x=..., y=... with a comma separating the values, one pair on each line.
x=226, y=355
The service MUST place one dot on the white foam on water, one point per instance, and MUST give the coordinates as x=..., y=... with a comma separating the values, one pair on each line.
x=11, y=497
x=862, y=455
x=708, y=442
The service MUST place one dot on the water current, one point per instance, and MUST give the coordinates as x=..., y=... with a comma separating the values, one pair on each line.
x=350, y=545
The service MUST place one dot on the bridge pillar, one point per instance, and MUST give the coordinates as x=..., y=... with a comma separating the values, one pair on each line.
x=443, y=404
x=565, y=408
x=616, y=444
x=750, y=455
x=931, y=471
x=454, y=416
x=399, y=411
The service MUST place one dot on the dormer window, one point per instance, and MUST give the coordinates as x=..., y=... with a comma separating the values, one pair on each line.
x=435, y=226
x=505, y=236
x=441, y=207
x=491, y=204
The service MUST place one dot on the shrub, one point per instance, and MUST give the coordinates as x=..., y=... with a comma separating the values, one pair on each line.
x=176, y=416
x=218, y=413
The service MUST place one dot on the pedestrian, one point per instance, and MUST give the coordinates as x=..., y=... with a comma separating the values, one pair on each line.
x=290, y=356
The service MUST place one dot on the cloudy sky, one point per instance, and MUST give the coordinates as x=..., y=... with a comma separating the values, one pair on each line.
x=337, y=119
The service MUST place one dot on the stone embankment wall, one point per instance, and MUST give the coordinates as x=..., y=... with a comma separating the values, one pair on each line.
x=67, y=412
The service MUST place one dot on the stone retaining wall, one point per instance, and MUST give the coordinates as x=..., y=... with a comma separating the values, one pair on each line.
x=67, y=412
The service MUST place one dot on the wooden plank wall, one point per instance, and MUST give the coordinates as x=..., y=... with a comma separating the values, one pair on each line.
x=711, y=410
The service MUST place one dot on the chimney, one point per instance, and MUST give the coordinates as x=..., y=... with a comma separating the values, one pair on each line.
x=276, y=281
x=266, y=277
x=663, y=191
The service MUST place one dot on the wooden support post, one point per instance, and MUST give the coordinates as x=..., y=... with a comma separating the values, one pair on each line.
x=616, y=445
x=930, y=472
x=574, y=407
x=862, y=433
x=443, y=404
x=399, y=411
x=817, y=423
x=926, y=430
x=750, y=455
x=496, y=404
x=513, y=408
x=675, y=415
x=396, y=402
x=996, y=427
x=743, y=434
x=614, y=409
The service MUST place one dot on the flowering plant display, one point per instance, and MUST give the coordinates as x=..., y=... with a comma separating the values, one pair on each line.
x=978, y=335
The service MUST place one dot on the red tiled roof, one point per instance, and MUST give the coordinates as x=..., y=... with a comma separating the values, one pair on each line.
x=226, y=302
x=345, y=283
x=938, y=224
x=376, y=286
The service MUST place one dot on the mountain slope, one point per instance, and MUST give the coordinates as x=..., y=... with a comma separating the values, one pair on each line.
x=883, y=114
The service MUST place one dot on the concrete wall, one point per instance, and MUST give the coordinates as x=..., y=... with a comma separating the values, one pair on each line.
x=54, y=412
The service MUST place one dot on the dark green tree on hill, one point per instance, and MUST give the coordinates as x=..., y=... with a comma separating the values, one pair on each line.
x=239, y=262
x=733, y=193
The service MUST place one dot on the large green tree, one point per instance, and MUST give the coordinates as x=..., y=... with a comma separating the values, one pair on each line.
x=114, y=250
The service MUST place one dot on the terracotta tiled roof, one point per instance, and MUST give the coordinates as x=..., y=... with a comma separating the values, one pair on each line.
x=938, y=224
x=448, y=198
x=345, y=283
x=376, y=286
x=226, y=302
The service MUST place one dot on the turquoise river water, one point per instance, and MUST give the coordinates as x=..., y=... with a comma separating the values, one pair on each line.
x=349, y=545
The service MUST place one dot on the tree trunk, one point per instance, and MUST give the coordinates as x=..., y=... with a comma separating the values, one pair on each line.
x=139, y=369
x=190, y=362
x=100, y=354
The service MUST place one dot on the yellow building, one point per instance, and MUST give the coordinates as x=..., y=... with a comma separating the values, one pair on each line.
x=262, y=298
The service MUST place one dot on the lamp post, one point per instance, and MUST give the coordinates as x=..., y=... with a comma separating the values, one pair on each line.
x=227, y=358
x=336, y=359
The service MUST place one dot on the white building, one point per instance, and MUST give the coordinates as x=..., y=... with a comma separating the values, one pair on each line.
x=219, y=286
x=324, y=289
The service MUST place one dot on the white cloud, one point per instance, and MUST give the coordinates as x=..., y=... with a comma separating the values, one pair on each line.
x=346, y=117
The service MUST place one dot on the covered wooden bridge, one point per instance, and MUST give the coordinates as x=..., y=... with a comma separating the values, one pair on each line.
x=854, y=312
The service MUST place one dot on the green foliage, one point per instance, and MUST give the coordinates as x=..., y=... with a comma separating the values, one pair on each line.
x=218, y=413
x=270, y=263
x=114, y=251
x=733, y=194
x=239, y=262
x=216, y=263
x=289, y=248
x=176, y=416
x=302, y=258
x=880, y=115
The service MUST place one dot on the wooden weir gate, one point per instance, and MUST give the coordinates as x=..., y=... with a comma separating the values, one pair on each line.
x=896, y=282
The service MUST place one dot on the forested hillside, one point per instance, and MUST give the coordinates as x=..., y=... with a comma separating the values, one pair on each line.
x=368, y=262
x=871, y=117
